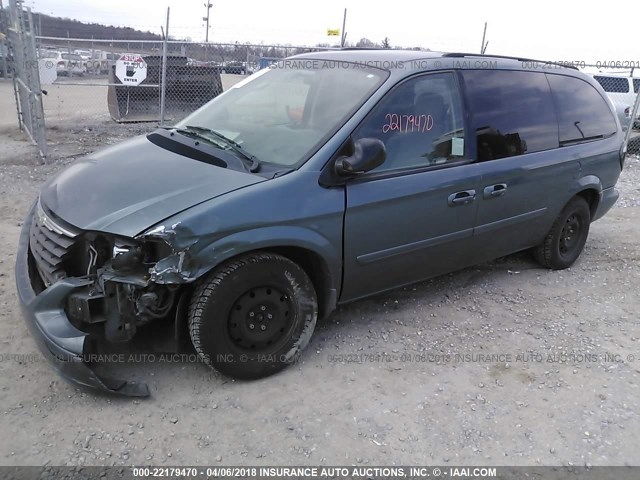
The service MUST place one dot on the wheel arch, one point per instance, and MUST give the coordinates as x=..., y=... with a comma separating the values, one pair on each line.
x=592, y=196
x=590, y=188
x=315, y=254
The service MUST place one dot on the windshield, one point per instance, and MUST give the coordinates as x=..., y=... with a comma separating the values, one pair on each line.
x=281, y=115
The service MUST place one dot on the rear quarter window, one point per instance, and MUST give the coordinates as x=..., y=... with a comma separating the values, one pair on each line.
x=636, y=85
x=583, y=114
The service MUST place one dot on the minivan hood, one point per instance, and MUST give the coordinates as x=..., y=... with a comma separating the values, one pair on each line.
x=129, y=187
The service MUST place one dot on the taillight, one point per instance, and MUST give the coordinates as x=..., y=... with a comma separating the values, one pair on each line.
x=623, y=154
x=627, y=112
x=61, y=64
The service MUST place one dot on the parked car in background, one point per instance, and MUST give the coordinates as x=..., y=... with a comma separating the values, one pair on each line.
x=622, y=90
x=85, y=54
x=237, y=68
x=102, y=61
x=86, y=57
x=306, y=187
x=66, y=64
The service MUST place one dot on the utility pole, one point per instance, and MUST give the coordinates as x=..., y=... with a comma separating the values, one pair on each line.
x=344, y=33
x=208, y=6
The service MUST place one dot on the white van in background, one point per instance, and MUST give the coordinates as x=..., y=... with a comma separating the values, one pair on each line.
x=622, y=89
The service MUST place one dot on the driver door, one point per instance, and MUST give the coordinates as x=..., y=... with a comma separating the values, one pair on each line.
x=412, y=217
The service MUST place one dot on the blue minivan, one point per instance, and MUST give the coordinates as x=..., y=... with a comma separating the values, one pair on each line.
x=323, y=179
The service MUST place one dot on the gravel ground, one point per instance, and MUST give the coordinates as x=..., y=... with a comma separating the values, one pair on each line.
x=501, y=364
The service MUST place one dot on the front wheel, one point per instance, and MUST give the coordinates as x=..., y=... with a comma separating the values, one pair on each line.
x=564, y=243
x=252, y=316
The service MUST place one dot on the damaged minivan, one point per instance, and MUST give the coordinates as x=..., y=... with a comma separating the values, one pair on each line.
x=326, y=178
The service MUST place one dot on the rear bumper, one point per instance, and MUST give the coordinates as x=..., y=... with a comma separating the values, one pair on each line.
x=58, y=340
x=608, y=198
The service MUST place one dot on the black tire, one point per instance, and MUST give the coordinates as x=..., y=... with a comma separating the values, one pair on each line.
x=564, y=243
x=252, y=316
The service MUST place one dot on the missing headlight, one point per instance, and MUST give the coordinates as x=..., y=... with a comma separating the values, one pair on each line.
x=126, y=258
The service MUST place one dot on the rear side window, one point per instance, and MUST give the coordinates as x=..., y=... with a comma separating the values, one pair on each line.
x=613, y=84
x=513, y=112
x=583, y=113
x=636, y=85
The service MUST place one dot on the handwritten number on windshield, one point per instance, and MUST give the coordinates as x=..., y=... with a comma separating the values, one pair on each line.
x=407, y=123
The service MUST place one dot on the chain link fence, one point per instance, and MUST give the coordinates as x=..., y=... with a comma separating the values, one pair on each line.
x=24, y=69
x=106, y=84
x=82, y=80
x=5, y=71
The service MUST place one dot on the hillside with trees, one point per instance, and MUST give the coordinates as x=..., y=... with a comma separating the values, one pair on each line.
x=49, y=26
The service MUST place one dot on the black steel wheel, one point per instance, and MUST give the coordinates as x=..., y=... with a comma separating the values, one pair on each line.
x=261, y=319
x=565, y=241
x=253, y=316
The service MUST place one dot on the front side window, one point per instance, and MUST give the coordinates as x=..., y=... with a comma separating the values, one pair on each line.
x=513, y=113
x=281, y=114
x=420, y=122
x=583, y=114
x=613, y=84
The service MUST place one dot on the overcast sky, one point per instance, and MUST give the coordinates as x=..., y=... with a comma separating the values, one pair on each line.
x=544, y=29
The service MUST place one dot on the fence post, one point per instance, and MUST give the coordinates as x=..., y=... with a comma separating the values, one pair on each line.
x=36, y=96
x=16, y=92
x=4, y=49
x=163, y=81
x=26, y=75
x=634, y=115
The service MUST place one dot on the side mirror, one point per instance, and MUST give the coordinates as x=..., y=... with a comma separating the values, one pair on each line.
x=368, y=153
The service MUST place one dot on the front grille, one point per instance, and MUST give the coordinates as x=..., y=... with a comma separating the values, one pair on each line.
x=50, y=244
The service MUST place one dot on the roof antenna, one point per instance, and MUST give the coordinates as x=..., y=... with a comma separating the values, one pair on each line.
x=483, y=47
x=344, y=31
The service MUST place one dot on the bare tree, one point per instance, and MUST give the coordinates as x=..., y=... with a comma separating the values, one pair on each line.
x=385, y=43
x=365, y=43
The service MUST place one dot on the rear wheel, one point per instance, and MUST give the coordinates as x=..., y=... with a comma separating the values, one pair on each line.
x=565, y=241
x=253, y=316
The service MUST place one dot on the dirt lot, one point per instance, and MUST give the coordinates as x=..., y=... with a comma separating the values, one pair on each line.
x=563, y=390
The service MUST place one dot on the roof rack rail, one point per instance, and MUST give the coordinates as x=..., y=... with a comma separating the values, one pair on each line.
x=520, y=59
x=362, y=48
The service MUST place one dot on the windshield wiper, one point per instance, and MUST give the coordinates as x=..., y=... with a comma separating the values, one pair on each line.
x=235, y=146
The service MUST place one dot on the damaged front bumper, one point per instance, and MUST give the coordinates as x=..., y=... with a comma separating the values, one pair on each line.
x=59, y=341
